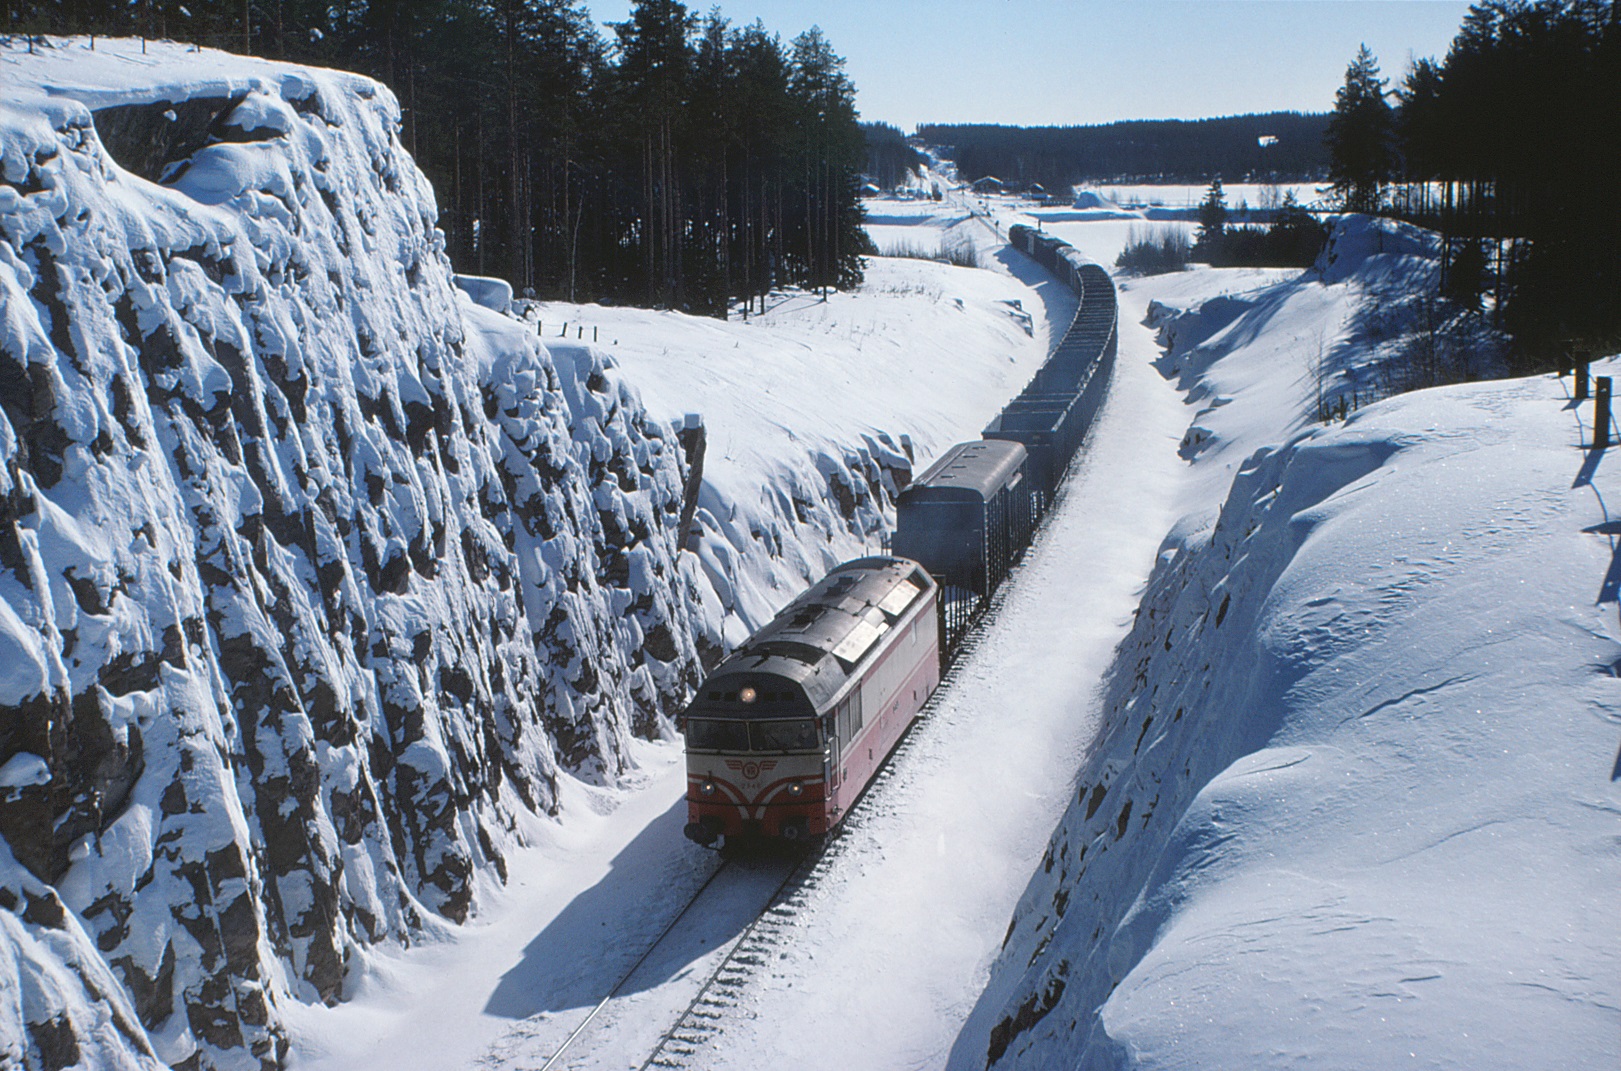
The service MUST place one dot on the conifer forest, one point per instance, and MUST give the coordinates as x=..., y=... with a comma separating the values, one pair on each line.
x=684, y=162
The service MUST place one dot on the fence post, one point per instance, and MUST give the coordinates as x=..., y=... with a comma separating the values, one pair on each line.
x=1581, y=381
x=1601, y=411
x=694, y=442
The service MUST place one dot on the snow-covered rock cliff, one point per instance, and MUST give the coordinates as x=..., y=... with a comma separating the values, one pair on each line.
x=314, y=575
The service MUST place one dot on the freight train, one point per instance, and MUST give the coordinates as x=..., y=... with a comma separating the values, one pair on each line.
x=788, y=731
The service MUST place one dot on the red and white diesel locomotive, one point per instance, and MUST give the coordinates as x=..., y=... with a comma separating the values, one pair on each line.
x=786, y=733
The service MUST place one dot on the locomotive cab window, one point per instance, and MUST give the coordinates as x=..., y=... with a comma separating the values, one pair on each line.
x=794, y=735
x=708, y=734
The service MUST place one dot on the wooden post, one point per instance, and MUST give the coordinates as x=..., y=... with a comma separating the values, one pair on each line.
x=1581, y=381
x=694, y=441
x=1601, y=411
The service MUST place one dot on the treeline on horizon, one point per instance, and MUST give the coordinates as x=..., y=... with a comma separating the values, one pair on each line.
x=1510, y=146
x=1277, y=146
x=684, y=163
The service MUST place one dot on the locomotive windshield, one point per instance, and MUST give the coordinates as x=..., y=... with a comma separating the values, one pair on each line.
x=710, y=734
x=707, y=735
x=793, y=735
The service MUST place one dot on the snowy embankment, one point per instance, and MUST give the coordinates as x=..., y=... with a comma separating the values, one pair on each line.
x=317, y=582
x=817, y=411
x=1353, y=803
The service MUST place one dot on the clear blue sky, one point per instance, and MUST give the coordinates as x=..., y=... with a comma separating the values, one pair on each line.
x=1037, y=62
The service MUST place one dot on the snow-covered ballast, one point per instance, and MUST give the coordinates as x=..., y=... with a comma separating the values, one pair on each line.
x=786, y=733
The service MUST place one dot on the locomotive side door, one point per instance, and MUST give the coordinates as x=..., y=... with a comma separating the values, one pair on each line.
x=833, y=753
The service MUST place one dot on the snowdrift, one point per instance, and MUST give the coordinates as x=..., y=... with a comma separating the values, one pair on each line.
x=1354, y=800
x=315, y=577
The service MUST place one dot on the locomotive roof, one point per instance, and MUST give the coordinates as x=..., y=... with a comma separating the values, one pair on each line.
x=982, y=468
x=819, y=638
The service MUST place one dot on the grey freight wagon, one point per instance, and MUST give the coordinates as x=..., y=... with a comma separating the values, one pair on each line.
x=966, y=518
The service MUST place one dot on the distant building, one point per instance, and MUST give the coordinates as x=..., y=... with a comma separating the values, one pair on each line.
x=988, y=184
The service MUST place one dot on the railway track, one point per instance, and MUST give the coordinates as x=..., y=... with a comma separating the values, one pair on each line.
x=721, y=987
x=684, y=958
x=735, y=961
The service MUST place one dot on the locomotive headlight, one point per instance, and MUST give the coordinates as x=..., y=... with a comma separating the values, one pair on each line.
x=748, y=695
x=796, y=789
x=707, y=788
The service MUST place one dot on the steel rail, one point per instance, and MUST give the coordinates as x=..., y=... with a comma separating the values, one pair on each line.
x=804, y=866
x=603, y=1003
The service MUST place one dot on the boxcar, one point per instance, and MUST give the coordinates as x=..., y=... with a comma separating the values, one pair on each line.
x=785, y=734
x=1042, y=424
x=966, y=518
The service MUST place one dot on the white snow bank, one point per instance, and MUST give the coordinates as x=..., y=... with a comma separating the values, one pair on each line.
x=1354, y=800
x=1359, y=807
x=493, y=294
x=817, y=411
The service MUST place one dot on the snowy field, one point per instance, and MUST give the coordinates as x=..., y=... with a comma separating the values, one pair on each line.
x=815, y=390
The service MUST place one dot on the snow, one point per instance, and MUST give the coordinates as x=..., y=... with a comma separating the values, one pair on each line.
x=924, y=350
x=24, y=768
x=1291, y=744
x=1353, y=798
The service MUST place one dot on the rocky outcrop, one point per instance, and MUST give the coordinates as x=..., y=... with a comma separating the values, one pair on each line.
x=314, y=576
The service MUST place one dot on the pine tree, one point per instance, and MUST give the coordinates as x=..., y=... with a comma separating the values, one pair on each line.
x=1359, y=136
x=831, y=149
x=654, y=76
x=1213, y=215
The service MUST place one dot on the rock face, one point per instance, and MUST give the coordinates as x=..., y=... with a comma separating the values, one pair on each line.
x=314, y=576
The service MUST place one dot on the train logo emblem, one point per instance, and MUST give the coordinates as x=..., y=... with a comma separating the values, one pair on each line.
x=751, y=770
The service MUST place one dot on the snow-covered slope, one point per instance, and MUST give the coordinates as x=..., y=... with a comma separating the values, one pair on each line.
x=314, y=576
x=1354, y=799
x=817, y=411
